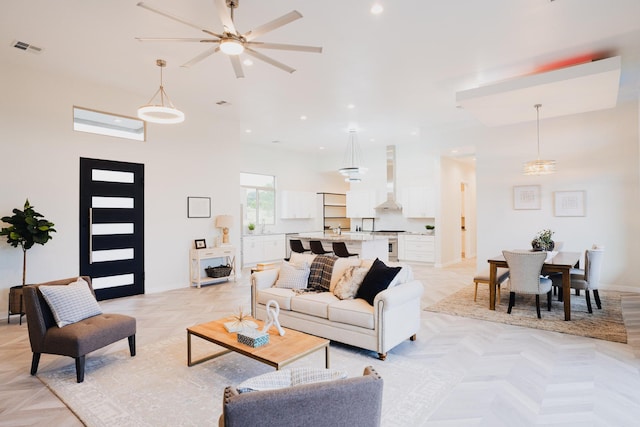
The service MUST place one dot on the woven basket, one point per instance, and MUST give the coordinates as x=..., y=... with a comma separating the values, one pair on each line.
x=219, y=271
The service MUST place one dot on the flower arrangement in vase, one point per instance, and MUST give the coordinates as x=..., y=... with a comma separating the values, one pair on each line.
x=543, y=241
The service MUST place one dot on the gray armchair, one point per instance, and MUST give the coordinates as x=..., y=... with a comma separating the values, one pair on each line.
x=75, y=340
x=353, y=401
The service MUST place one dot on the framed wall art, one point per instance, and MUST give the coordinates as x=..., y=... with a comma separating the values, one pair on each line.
x=569, y=203
x=198, y=207
x=200, y=244
x=526, y=197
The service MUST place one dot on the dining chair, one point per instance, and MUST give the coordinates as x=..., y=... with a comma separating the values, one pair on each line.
x=296, y=246
x=483, y=277
x=587, y=279
x=524, y=277
x=316, y=247
x=340, y=250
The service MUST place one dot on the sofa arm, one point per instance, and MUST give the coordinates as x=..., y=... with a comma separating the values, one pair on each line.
x=265, y=278
x=399, y=294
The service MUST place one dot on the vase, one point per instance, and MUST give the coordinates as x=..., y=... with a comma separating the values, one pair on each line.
x=539, y=246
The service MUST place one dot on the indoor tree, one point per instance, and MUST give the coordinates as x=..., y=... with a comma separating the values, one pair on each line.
x=27, y=227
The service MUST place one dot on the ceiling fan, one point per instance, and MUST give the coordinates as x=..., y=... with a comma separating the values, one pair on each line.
x=231, y=41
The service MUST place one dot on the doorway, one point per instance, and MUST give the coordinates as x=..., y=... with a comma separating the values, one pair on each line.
x=112, y=227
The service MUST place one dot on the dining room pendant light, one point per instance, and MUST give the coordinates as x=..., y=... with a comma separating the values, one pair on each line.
x=539, y=167
x=160, y=113
x=352, y=157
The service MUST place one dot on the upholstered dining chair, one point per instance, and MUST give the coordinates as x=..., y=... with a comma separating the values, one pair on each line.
x=587, y=279
x=340, y=250
x=296, y=246
x=317, y=248
x=524, y=277
x=75, y=326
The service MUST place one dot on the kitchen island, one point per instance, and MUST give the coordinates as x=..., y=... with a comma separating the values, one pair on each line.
x=366, y=245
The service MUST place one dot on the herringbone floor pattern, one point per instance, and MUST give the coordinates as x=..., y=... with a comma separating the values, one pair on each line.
x=513, y=375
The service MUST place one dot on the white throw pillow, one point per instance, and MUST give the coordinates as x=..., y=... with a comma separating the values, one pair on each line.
x=293, y=276
x=348, y=285
x=298, y=258
x=289, y=377
x=70, y=303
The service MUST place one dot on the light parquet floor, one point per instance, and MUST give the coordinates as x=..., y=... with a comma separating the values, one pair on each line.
x=513, y=376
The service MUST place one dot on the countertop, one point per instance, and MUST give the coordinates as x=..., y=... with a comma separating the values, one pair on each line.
x=345, y=236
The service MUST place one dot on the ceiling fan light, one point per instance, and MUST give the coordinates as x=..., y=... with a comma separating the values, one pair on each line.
x=231, y=47
x=160, y=114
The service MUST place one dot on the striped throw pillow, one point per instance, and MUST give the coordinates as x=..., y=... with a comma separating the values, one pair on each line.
x=70, y=303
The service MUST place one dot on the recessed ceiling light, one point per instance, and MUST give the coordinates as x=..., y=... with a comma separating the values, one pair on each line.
x=303, y=117
x=372, y=139
x=376, y=9
x=248, y=62
x=351, y=106
x=247, y=130
x=414, y=133
x=321, y=148
x=454, y=151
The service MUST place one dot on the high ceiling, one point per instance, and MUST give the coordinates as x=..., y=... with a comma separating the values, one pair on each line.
x=400, y=69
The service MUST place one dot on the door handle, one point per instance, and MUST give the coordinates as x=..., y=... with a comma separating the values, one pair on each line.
x=90, y=235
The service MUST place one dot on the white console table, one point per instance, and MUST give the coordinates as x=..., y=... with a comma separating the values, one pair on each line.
x=196, y=269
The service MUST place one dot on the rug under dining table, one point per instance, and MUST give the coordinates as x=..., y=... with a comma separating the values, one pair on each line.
x=606, y=324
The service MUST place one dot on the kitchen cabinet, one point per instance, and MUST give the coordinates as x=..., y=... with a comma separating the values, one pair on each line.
x=361, y=204
x=418, y=202
x=416, y=247
x=297, y=204
x=263, y=248
x=334, y=211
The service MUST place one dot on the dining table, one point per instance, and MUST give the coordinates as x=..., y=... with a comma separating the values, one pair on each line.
x=561, y=262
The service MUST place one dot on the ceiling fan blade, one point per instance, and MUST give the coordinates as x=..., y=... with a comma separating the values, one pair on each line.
x=268, y=60
x=225, y=16
x=201, y=56
x=169, y=39
x=170, y=16
x=237, y=66
x=282, y=46
x=272, y=25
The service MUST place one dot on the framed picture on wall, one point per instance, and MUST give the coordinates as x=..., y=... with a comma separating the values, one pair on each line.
x=198, y=207
x=200, y=244
x=569, y=203
x=526, y=197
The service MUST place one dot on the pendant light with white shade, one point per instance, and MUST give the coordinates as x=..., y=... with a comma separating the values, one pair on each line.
x=539, y=167
x=353, y=158
x=160, y=113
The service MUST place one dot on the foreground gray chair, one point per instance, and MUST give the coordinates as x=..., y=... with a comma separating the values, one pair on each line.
x=75, y=340
x=352, y=402
x=524, y=277
x=587, y=279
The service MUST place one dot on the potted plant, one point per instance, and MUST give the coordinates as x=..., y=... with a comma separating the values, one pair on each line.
x=251, y=227
x=430, y=228
x=26, y=228
x=543, y=241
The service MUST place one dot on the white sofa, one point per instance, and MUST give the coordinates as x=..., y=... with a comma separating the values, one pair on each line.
x=393, y=318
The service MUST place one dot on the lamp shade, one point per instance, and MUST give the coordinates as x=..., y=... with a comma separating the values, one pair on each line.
x=224, y=221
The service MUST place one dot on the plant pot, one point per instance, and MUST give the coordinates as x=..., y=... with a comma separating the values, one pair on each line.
x=16, y=302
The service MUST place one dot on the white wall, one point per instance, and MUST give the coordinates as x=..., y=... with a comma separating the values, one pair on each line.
x=597, y=153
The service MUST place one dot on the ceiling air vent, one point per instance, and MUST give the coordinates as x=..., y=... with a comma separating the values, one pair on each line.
x=26, y=47
x=223, y=103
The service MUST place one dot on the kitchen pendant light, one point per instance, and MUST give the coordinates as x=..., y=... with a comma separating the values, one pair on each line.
x=539, y=167
x=352, y=157
x=160, y=113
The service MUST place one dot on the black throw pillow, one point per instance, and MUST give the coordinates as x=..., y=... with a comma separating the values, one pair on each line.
x=376, y=280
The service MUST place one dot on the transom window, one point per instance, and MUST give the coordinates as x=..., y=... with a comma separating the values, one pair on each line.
x=259, y=199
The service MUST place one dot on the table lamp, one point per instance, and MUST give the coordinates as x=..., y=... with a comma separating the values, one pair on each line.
x=224, y=222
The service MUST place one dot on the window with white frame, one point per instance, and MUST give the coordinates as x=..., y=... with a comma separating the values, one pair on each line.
x=258, y=195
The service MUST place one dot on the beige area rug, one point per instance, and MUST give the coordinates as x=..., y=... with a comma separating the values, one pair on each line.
x=156, y=388
x=604, y=324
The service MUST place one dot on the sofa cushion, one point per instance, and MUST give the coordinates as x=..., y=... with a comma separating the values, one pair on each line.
x=293, y=275
x=339, y=267
x=298, y=258
x=348, y=285
x=377, y=280
x=356, y=312
x=71, y=303
x=280, y=295
x=313, y=304
x=290, y=378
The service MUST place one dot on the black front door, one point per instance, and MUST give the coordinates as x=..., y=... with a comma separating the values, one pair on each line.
x=112, y=227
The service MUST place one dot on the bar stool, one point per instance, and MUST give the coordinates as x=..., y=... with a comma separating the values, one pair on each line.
x=316, y=247
x=296, y=246
x=340, y=249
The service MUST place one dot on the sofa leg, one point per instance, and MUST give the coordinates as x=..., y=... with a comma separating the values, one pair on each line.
x=35, y=360
x=132, y=345
x=382, y=356
x=413, y=337
x=80, y=368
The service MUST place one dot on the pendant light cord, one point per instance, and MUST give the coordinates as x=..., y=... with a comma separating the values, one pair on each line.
x=538, y=125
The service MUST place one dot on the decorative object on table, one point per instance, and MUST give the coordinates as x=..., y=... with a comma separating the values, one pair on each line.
x=543, y=241
x=241, y=321
x=569, y=203
x=218, y=271
x=430, y=228
x=160, y=113
x=200, y=243
x=27, y=227
x=273, y=310
x=539, y=167
x=526, y=197
x=251, y=227
x=225, y=222
x=253, y=337
x=198, y=207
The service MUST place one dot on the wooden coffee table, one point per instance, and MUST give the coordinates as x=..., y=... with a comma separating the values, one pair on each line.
x=280, y=351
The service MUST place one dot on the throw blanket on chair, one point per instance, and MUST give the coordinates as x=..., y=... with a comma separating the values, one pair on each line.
x=320, y=274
